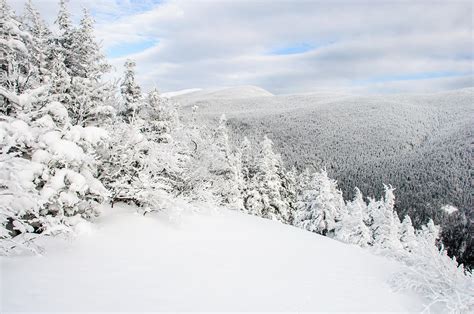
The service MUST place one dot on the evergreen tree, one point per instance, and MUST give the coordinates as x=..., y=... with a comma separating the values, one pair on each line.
x=131, y=92
x=15, y=63
x=161, y=117
x=267, y=200
x=65, y=40
x=352, y=228
x=225, y=168
x=320, y=206
x=407, y=235
x=289, y=192
x=90, y=62
x=429, y=234
x=40, y=45
x=386, y=224
x=248, y=162
x=60, y=80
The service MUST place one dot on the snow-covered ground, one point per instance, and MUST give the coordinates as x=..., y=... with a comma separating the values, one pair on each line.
x=206, y=260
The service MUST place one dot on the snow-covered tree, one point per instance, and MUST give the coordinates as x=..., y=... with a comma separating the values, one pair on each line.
x=407, y=235
x=352, y=228
x=131, y=92
x=125, y=163
x=265, y=197
x=289, y=192
x=435, y=275
x=385, y=222
x=65, y=40
x=429, y=233
x=15, y=63
x=59, y=170
x=40, y=45
x=225, y=168
x=248, y=160
x=320, y=206
x=60, y=81
x=160, y=115
x=90, y=62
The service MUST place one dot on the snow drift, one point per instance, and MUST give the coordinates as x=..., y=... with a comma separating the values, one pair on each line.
x=206, y=260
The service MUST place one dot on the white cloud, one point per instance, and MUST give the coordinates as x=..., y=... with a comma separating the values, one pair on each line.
x=224, y=43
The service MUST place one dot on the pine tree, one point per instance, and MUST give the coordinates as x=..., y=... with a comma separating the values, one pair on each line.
x=248, y=162
x=267, y=200
x=407, y=235
x=15, y=63
x=225, y=168
x=386, y=224
x=289, y=192
x=161, y=117
x=352, y=228
x=60, y=80
x=90, y=62
x=320, y=206
x=65, y=41
x=40, y=45
x=131, y=92
x=429, y=234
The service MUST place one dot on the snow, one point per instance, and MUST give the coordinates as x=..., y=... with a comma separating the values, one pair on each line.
x=449, y=209
x=180, y=92
x=213, y=94
x=205, y=259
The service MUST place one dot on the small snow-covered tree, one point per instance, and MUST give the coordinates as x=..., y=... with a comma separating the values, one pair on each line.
x=40, y=45
x=65, y=41
x=60, y=81
x=320, y=206
x=159, y=113
x=131, y=92
x=289, y=192
x=407, y=235
x=15, y=65
x=225, y=168
x=90, y=62
x=124, y=161
x=248, y=160
x=352, y=228
x=436, y=276
x=266, y=198
x=385, y=222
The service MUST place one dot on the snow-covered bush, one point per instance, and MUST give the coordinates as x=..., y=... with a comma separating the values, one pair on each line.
x=48, y=172
x=435, y=275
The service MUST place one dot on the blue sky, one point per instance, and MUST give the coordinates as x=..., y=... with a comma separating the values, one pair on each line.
x=287, y=46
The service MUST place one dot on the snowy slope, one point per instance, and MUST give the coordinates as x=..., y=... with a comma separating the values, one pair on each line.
x=227, y=93
x=180, y=92
x=214, y=260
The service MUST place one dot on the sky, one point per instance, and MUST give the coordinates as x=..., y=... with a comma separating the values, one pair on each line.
x=286, y=46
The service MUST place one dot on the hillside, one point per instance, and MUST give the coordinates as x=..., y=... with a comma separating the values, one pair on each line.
x=420, y=144
x=200, y=260
x=217, y=94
